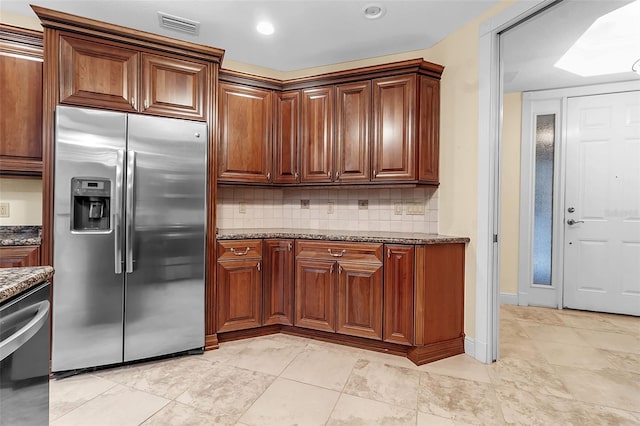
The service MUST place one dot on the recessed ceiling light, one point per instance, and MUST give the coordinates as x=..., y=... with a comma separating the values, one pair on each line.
x=265, y=28
x=374, y=11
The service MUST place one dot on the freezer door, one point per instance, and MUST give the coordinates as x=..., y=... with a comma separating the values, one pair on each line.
x=87, y=291
x=165, y=252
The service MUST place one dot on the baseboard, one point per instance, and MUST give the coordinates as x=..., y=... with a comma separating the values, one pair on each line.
x=469, y=347
x=508, y=299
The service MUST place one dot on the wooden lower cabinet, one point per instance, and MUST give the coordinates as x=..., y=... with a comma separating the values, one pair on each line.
x=398, y=293
x=398, y=298
x=19, y=256
x=278, y=272
x=360, y=300
x=239, y=280
x=315, y=294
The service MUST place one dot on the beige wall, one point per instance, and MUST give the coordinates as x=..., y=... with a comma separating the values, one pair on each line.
x=25, y=201
x=510, y=192
x=457, y=194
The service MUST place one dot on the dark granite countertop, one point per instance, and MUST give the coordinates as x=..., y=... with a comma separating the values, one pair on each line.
x=14, y=281
x=359, y=236
x=20, y=235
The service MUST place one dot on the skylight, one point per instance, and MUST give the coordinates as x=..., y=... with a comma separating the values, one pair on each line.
x=609, y=46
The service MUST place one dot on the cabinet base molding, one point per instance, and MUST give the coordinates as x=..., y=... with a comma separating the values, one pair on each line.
x=211, y=342
x=417, y=354
x=435, y=351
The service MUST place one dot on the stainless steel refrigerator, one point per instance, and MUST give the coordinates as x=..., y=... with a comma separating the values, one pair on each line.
x=129, y=237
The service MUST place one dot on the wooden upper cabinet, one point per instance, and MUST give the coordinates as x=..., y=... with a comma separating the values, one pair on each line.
x=174, y=87
x=286, y=151
x=98, y=74
x=20, y=101
x=114, y=76
x=394, y=115
x=398, y=293
x=353, y=120
x=317, y=135
x=245, y=126
x=278, y=282
x=429, y=131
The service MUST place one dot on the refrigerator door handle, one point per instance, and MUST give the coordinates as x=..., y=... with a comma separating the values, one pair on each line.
x=131, y=175
x=117, y=215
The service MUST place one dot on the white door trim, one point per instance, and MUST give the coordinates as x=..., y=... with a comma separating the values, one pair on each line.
x=488, y=207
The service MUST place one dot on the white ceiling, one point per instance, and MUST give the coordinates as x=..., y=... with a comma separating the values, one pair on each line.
x=312, y=33
x=531, y=49
x=308, y=33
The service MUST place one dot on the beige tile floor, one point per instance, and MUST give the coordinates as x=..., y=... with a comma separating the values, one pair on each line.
x=556, y=368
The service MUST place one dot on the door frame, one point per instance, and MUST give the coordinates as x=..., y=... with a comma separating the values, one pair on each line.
x=485, y=344
x=559, y=97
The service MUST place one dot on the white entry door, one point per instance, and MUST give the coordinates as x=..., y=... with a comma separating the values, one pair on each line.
x=602, y=204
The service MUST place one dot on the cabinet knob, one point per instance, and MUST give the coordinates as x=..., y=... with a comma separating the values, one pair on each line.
x=329, y=175
x=258, y=266
x=146, y=104
x=339, y=269
x=133, y=102
x=337, y=175
x=296, y=175
x=269, y=176
x=331, y=270
x=289, y=246
x=388, y=253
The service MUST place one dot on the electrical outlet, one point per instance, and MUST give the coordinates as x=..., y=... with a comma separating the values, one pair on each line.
x=415, y=208
x=242, y=207
x=330, y=207
x=304, y=204
x=397, y=208
x=4, y=210
x=363, y=204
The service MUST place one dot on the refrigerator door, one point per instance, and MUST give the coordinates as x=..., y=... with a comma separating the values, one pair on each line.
x=165, y=252
x=87, y=291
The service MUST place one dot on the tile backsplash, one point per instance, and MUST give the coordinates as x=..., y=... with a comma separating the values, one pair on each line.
x=367, y=209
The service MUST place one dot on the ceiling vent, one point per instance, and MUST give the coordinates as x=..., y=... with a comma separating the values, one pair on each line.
x=177, y=23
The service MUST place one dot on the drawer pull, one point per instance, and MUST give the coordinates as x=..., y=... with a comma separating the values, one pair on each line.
x=336, y=254
x=240, y=253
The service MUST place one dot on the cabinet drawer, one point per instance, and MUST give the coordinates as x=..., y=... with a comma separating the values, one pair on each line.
x=239, y=249
x=331, y=250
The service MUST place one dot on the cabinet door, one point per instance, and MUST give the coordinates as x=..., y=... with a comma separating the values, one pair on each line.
x=394, y=110
x=21, y=106
x=315, y=294
x=398, y=294
x=98, y=75
x=317, y=135
x=244, y=152
x=360, y=300
x=239, y=295
x=174, y=87
x=353, y=112
x=429, y=131
x=286, y=156
x=19, y=256
x=278, y=282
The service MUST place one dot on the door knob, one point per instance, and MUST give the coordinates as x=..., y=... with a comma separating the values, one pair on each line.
x=573, y=222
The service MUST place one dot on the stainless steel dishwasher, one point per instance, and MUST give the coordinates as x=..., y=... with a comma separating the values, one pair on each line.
x=24, y=359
